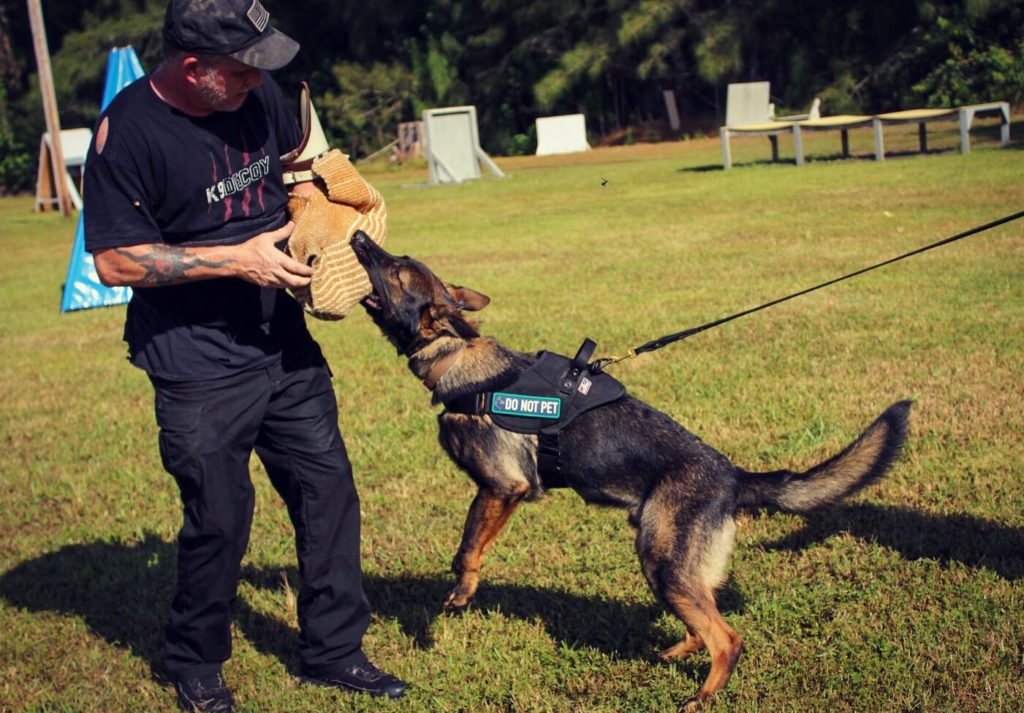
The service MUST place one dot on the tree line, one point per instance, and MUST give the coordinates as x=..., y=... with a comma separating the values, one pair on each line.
x=372, y=65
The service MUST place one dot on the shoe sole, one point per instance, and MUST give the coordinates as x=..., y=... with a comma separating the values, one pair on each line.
x=351, y=689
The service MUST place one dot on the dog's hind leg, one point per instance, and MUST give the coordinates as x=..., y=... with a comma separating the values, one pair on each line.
x=684, y=546
x=487, y=515
x=699, y=612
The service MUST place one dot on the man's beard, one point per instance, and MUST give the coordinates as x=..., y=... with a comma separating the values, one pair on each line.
x=214, y=97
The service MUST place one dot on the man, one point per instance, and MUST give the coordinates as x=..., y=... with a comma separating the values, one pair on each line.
x=185, y=204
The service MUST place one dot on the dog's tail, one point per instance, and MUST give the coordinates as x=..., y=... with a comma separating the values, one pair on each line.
x=859, y=464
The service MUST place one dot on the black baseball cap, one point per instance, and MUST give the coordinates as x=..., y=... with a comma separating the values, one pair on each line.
x=237, y=28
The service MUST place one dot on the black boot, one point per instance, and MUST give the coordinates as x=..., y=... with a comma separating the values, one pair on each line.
x=362, y=678
x=204, y=695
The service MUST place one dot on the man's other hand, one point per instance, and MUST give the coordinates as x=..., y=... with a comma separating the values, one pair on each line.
x=261, y=261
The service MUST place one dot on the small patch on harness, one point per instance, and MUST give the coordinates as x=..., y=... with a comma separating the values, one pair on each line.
x=525, y=405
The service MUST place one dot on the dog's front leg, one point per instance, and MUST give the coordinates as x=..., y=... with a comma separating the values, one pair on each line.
x=487, y=515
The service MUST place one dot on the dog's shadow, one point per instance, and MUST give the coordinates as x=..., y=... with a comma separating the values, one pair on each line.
x=122, y=591
x=915, y=535
x=574, y=620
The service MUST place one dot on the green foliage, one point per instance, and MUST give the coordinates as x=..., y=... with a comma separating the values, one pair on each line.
x=658, y=29
x=441, y=66
x=644, y=21
x=522, y=144
x=841, y=96
x=79, y=68
x=586, y=61
x=78, y=63
x=957, y=54
x=16, y=166
x=974, y=71
x=363, y=114
x=611, y=60
x=718, y=53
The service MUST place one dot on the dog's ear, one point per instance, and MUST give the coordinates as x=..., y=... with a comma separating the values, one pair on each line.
x=468, y=299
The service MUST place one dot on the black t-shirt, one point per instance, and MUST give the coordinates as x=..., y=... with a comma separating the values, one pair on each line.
x=163, y=176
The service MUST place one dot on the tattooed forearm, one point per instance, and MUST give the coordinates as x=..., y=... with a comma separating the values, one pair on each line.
x=168, y=264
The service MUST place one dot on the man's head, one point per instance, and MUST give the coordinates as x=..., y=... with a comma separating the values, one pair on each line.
x=214, y=82
x=238, y=29
x=217, y=49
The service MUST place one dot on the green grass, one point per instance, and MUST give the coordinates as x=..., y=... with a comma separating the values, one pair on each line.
x=908, y=597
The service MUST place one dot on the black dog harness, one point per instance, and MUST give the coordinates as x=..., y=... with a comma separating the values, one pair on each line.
x=544, y=400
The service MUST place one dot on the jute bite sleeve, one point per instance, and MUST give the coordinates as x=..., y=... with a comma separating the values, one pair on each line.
x=324, y=223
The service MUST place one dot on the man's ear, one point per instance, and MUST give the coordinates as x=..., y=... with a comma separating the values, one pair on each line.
x=468, y=299
x=191, y=68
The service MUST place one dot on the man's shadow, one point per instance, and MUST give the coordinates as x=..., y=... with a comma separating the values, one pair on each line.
x=122, y=592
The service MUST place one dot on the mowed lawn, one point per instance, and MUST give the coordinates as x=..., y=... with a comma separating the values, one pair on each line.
x=910, y=596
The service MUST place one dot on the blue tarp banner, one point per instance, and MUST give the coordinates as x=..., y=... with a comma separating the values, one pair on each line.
x=82, y=287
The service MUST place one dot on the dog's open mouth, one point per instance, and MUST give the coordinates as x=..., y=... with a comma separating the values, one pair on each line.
x=372, y=302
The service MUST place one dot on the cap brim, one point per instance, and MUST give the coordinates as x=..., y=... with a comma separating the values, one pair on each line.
x=272, y=51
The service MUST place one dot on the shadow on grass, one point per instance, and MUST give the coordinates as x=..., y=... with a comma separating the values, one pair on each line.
x=576, y=621
x=824, y=158
x=915, y=535
x=122, y=592
x=707, y=168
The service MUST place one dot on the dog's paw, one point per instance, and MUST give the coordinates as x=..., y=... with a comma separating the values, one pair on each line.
x=690, y=705
x=457, y=600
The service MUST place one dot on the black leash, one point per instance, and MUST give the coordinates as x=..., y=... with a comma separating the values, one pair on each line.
x=600, y=364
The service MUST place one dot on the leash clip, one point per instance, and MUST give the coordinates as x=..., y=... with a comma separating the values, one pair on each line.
x=599, y=365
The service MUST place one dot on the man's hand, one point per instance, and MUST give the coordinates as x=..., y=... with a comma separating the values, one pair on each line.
x=263, y=263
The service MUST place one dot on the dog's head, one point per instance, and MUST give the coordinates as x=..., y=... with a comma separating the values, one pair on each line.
x=409, y=303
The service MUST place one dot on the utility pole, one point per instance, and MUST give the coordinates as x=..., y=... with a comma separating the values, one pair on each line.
x=59, y=173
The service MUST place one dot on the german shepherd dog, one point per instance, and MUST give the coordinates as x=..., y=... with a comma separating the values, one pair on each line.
x=681, y=494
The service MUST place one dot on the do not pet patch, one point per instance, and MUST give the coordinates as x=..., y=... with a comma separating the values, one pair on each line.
x=526, y=405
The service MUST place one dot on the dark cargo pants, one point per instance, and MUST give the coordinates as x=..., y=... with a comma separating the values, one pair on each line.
x=208, y=431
